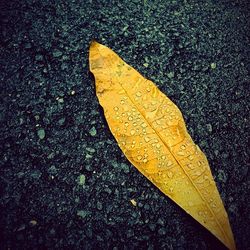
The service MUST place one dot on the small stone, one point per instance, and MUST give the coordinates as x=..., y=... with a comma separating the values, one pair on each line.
x=81, y=180
x=209, y=127
x=160, y=222
x=91, y=150
x=114, y=164
x=170, y=75
x=51, y=155
x=35, y=174
x=152, y=227
x=205, y=68
x=52, y=170
x=107, y=190
x=57, y=53
x=41, y=133
x=61, y=121
x=213, y=65
x=89, y=232
x=27, y=45
x=60, y=100
x=161, y=231
x=225, y=155
x=64, y=66
x=20, y=174
x=64, y=57
x=88, y=156
x=37, y=117
x=93, y=131
x=99, y=205
x=39, y=57
x=125, y=168
x=216, y=152
x=82, y=213
x=222, y=176
x=89, y=168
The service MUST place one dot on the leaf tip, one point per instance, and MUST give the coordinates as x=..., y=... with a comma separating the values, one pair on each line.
x=93, y=44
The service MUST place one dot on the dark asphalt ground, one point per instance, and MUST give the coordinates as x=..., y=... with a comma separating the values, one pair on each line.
x=64, y=182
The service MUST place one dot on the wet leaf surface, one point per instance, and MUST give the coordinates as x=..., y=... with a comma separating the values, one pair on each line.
x=151, y=132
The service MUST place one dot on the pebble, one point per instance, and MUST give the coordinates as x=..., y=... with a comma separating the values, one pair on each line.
x=222, y=176
x=82, y=213
x=52, y=231
x=37, y=117
x=170, y=75
x=64, y=66
x=213, y=65
x=39, y=57
x=52, y=170
x=107, y=190
x=161, y=231
x=152, y=227
x=114, y=164
x=89, y=168
x=61, y=121
x=125, y=168
x=41, y=133
x=216, y=152
x=91, y=150
x=93, y=131
x=51, y=155
x=88, y=156
x=99, y=205
x=60, y=100
x=81, y=180
x=35, y=174
x=209, y=127
x=160, y=222
x=57, y=53
x=28, y=46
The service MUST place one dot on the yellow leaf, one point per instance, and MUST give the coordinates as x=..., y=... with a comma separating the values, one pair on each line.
x=151, y=132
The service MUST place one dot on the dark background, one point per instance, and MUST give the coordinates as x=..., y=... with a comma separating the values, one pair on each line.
x=197, y=53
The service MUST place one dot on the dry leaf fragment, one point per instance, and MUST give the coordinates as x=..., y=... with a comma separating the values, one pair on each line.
x=151, y=132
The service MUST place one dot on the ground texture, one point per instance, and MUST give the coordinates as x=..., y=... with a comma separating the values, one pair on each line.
x=64, y=182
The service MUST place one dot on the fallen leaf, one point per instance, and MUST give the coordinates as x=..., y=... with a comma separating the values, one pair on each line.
x=151, y=132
